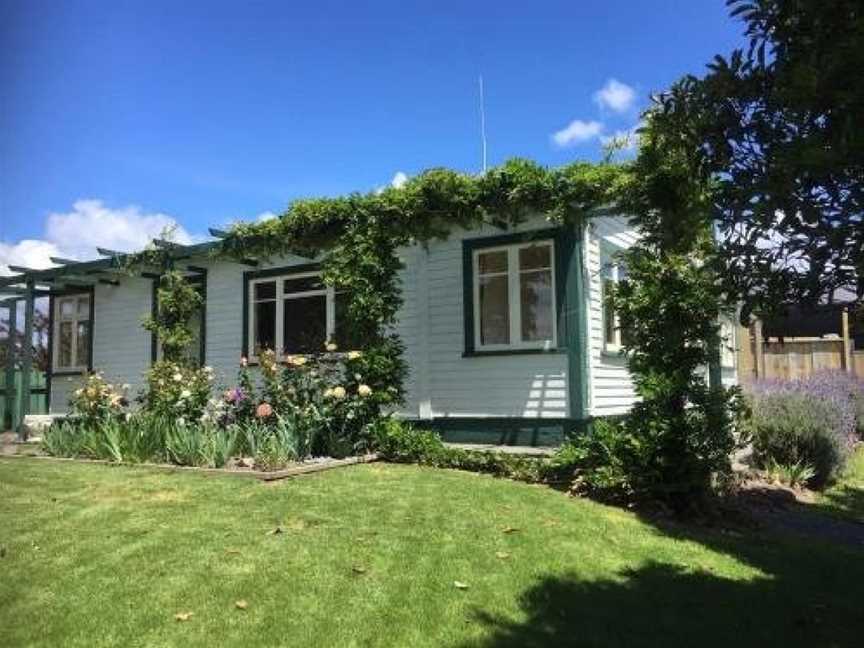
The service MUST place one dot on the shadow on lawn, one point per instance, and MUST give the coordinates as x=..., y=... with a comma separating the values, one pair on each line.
x=810, y=593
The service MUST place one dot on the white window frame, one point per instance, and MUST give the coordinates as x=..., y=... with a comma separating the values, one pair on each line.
x=328, y=292
x=514, y=297
x=610, y=271
x=75, y=320
x=728, y=344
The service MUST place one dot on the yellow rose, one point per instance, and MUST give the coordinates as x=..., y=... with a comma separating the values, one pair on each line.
x=364, y=390
x=353, y=355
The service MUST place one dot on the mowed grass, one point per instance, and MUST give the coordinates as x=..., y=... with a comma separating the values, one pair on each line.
x=846, y=497
x=98, y=555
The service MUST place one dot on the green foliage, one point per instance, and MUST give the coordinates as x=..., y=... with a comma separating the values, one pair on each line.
x=791, y=429
x=773, y=129
x=177, y=390
x=97, y=400
x=796, y=475
x=400, y=442
x=178, y=302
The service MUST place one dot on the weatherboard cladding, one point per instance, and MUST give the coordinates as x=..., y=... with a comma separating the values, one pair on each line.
x=442, y=383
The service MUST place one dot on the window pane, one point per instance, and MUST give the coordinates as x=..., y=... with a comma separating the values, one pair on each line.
x=537, y=311
x=609, y=332
x=535, y=257
x=494, y=310
x=82, y=350
x=67, y=308
x=65, y=347
x=346, y=336
x=266, y=290
x=305, y=324
x=488, y=262
x=302, y=284
x=84, y=308
x=264, y=325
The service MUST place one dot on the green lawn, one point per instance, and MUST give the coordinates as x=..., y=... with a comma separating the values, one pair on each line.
x=105, y=556
x=846, y=498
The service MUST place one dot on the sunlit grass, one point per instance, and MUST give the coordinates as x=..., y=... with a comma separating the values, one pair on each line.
x=365, y=556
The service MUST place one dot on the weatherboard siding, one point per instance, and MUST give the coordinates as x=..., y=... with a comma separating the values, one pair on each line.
x=610, y=390
x=441, y=382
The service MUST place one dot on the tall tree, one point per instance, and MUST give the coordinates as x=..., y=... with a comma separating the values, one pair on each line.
x=776, y=129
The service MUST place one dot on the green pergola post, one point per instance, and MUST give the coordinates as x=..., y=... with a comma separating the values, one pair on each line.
x=11, y=402
x=26, y=358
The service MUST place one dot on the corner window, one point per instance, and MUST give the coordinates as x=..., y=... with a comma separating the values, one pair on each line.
x=728, y=344
x=294, y=314
x=514, y=297
x=72, y=330
x=612, y=334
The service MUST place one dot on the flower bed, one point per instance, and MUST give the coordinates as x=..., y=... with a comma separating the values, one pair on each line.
x=309, y=407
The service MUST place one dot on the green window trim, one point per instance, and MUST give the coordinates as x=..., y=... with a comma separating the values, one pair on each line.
x=569, y=304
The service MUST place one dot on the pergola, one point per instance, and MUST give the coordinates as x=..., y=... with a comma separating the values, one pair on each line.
x=67, y=275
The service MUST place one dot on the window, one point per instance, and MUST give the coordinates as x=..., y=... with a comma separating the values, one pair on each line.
x=728, y=344
x=72, y=333
x=295, y=313
x=514, y=297
x=612, y=334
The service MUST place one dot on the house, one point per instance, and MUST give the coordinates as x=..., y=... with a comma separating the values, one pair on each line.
x=508, y=337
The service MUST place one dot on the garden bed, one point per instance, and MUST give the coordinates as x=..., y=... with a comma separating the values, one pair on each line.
x=234, y=467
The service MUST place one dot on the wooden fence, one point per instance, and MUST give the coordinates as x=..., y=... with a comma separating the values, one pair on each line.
x=794, y=357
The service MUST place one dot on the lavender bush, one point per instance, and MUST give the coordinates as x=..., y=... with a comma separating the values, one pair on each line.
x=815, y=420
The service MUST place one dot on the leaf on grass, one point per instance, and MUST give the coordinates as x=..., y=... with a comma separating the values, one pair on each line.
x=460, y=585
x=357, y=569
x=241, y=604
x=509, y=529
x=275, y=531
x=502, y=555
x=232, y=551
x=183, y=616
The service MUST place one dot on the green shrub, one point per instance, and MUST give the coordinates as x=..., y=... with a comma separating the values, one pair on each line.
x=796, y=475
x=398, y=441
x=792, y=428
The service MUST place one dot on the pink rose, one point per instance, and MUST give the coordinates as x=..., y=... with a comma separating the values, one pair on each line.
x=264, y=410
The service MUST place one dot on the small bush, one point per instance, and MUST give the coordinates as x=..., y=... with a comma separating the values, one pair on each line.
x=796, y=475
x=812, y=421
x=400, y=442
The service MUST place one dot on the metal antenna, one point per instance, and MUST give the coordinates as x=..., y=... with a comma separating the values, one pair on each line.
x=482, y=126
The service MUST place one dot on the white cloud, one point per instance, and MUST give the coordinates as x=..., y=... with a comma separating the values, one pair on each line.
x=399, y=179
x=267, y=215
x=576, y=132
x=615, y=96
x=90, y=223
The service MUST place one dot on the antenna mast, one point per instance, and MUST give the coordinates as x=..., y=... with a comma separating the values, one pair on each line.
x=482, y=127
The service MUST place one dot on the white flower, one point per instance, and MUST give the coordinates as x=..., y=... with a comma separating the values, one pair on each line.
x=185, y=393
x=178, y=377
x=208, y=369
x=364, y=390
x=79, y=391
x=181, y=421
x=125, y=387
x=331, y=346
x=353, y=355
x=357, y=377
x=336, y=392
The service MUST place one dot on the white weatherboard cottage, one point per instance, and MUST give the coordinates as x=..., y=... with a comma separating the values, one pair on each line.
x=507, y=335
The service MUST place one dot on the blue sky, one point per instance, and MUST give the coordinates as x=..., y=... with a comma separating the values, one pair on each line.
x=118, y=117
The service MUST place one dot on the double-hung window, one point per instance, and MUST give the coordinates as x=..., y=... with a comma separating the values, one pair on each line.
x=514, y=297
x=612, y=336
x=294, y=314
x=72, y=333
